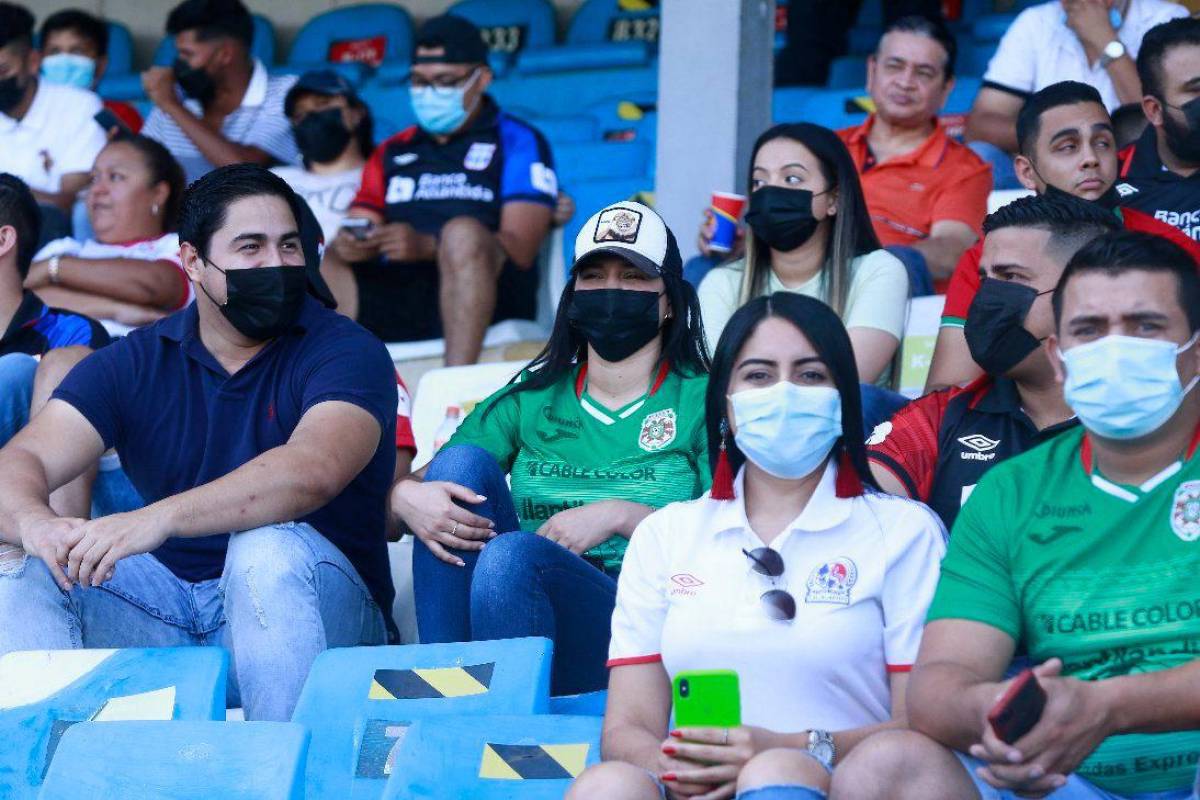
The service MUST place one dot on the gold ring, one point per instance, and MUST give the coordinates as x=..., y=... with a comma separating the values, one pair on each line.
x=454, y=530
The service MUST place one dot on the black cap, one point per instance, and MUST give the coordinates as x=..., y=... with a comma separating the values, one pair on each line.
x=461, y=41
x=319, y=81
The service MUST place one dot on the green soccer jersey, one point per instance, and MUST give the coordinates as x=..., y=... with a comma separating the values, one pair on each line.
x=1100, y=575
x=563, y=449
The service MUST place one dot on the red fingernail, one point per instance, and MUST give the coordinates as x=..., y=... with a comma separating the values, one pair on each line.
x=668, y=776
x=668, y=749
x=677, y=734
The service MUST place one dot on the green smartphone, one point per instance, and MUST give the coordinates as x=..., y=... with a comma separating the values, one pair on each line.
x=707, y=699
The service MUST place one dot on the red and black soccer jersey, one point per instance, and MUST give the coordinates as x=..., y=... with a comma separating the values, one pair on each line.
x=413, y=178
x=36, y=328
x=940, y=445
x=1146, y=185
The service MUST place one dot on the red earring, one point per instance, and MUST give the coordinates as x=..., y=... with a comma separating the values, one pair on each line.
x=722, y=485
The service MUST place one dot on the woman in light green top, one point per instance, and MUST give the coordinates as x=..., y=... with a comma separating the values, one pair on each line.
x=810, y=233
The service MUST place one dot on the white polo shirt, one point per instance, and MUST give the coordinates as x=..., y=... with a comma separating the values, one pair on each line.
x=862, y=570
x=258, y=122
x=1038, y=49
x=56, y=137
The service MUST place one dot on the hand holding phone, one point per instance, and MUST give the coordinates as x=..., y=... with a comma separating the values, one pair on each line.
x=1015, y=714
x=358, y=227
x=107, y=120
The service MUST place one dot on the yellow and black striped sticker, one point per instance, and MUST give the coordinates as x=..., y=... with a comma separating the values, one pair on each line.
x=532, y=762
x=424, y=684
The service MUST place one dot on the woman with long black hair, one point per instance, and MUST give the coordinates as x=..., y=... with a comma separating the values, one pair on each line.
x=795, y=572
x=604, y=426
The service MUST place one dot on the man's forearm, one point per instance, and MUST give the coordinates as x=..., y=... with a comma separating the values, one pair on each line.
x=1123, y=72
x=947, y=703
x=1154, y=702
x=212, y=145
x=989, y=126
x=24, y=493
x=941, y=255
x=280, y=485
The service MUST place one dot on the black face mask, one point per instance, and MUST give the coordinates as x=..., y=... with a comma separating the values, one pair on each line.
x=1184, y=139
x=995, y=330
x=783, y=218
x=12, y=91
x=262, y=302
x=1108, y=201
x=615, y=322
x=321, y=135
x=195, y=82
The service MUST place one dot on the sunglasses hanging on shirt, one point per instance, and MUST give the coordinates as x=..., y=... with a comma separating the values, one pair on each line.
x=780, y=604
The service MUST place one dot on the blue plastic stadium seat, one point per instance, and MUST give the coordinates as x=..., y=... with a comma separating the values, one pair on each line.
x=828, y=107
x=863, y=39
x=509, y=26
x=371, y=32
x=571, y=129
x=120, y=49
x=594, y=55
x=590, y=704
x=962, y=95
x=390, y=108
x=789, y=104
x=179, y=760
x=614, y=21
x=847, y=72
x=352, y=71
x=586, y=161
x=262, y=45
x=572, y=92
x=126, y=86
x=991, y=27
x=975, y=57
x=45, y=693
x=626, y=116
x=871, y=13
x=494, y=757
x=359, y=702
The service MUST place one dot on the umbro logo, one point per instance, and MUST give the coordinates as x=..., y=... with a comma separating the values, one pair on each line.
x=404, y=159
x=980, y=445
x=1124, y=189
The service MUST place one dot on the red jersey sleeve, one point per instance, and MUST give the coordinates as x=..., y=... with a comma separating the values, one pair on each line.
x=372, y=192
x=907, y=446
x=1135, y=220
x=964, y=283
x=404, y=430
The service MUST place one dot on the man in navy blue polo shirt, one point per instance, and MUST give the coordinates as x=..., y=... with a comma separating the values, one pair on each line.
x=455, y=208
x=29, y=329
x=258, y=425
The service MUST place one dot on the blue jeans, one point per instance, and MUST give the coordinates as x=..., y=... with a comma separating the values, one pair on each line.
x=782, y=793
x=1004, y=174
x=1077, y=788
x=16, y=393
x=519, y=584
x=285, y=595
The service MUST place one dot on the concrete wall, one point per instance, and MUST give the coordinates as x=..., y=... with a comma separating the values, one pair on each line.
x=146, y=18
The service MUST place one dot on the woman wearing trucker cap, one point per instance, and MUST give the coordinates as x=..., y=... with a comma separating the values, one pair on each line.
x=604, y=426
x=797, y=574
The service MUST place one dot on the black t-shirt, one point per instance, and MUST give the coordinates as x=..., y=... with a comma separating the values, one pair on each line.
x=1146, y=185
x=940, y=445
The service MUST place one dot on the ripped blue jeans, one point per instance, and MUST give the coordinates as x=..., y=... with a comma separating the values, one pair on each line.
x=286, y=594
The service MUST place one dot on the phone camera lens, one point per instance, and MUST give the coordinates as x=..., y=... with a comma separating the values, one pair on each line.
x=683, y=688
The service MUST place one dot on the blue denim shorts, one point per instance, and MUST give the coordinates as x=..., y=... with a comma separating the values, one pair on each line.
x=1077, y=788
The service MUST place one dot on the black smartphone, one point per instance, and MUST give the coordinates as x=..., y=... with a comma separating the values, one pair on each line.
x=1015, y=714
x=108, y=120
x=358, y=227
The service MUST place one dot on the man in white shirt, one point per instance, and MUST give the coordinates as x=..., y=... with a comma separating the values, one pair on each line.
x=47, y=135
x=216, y=105
x=1090, y=41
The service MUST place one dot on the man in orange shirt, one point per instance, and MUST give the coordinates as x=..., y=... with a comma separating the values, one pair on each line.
x=926, y=193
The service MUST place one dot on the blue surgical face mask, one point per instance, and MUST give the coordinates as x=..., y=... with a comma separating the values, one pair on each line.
x=1124, y=387
x=785, y=429
x=442, y=110
x=69, y=69
x=1114, y=18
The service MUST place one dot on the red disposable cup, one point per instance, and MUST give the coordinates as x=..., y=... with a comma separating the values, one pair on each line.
x=727, y=210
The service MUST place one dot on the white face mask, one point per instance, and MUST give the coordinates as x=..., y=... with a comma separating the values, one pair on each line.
x=1124, y=387
x=785, y=429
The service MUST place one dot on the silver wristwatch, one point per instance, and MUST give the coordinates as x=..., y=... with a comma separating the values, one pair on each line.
x=1111, y=52
x=821, y=747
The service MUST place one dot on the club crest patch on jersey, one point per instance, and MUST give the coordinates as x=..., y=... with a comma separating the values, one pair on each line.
x=831, y=582
x=479, y=155
x=658, y=430
x=618, y=225
x=1185, y=511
